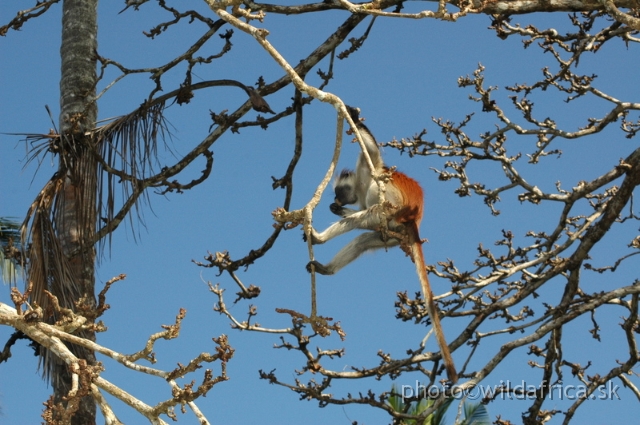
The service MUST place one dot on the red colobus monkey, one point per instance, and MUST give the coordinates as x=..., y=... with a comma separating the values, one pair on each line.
x=359, y=188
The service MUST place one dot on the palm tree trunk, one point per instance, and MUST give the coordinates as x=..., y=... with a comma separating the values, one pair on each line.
x=75, y=212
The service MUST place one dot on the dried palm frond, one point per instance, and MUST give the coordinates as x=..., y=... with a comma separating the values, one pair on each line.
x=48, y=266
x=126, y=149
x=128, y=153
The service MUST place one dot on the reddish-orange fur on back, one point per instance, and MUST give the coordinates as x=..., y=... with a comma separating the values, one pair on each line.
x=413, y=198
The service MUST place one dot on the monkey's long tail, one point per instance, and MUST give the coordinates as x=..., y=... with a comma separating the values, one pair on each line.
x=418, y=257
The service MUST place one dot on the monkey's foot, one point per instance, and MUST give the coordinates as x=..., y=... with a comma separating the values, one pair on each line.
x=319, y=268
x=314, y=238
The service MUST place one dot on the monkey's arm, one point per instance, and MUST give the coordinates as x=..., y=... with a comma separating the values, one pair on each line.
x=368, y=219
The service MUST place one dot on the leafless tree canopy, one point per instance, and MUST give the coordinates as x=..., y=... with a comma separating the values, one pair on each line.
x=492, y=305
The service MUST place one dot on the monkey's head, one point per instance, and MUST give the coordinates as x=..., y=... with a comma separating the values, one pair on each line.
x=345, y=188
x=354, y=113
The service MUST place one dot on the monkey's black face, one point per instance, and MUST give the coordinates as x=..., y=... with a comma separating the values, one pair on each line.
x=345, y=195
x=345, y=188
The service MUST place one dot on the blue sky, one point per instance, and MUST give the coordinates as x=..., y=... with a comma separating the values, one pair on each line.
x=405, y=74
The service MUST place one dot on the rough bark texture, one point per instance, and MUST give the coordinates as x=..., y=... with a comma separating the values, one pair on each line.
x=515, y=7
x=76, y=211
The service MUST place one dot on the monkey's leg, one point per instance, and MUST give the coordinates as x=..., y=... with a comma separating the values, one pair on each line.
x=368, y=219
x=360, y=244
